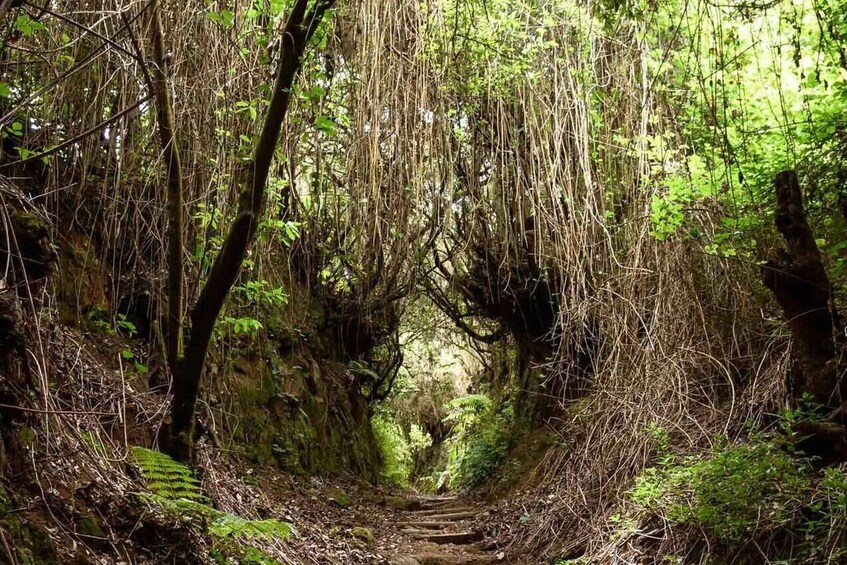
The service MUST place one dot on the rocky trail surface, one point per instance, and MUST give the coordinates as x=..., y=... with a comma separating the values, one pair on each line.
x=439, y=531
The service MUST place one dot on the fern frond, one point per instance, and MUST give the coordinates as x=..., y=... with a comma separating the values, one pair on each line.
x=167, y=478
x=231, y=526
x=174, y=488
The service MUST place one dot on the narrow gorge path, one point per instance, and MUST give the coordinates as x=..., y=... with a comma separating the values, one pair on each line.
x=440, y=532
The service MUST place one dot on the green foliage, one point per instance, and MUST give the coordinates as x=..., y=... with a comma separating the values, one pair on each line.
x=231, y=526
x=124, y=325
x=486, y=46
x=261, y=293
x=465, y=409
x=577, y=561
x=27, y=25
x=221, y=525
x=738, y=493
x=729, y=491
x=238, y=326
x=359, y=368
x=677, y=191
x=177, y=492
x=419, y=439
x=167, y=478
x=128, y=355
x=479, y=439
x=394, y=449
x=224, y=18
x=746, y=110
x=252, y=556
x=100, y=320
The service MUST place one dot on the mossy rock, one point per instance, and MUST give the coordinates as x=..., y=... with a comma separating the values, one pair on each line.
x=364, y=535
x=88, y=525
x=32, y=240
x=400, y=503
x=80, y=284
x=338, y=497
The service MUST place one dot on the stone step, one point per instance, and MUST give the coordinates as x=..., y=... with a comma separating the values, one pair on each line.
x=444, y=511
x=433, y=558
x=449, y=517
x=426, y=525
x=457, y=538
x=417, y=532
x=442, y=559
x=437, y=498
x=432, y=505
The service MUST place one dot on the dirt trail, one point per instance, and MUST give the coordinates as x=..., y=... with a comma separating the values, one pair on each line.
x=439, y=530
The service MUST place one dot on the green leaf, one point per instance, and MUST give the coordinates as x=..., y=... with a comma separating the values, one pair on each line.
x=224, y=18
x=326, y=125
x=27, y=25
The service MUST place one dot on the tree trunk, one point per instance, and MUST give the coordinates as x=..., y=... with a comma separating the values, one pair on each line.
x=798, y=279
x=170, y=153
x=300, y=28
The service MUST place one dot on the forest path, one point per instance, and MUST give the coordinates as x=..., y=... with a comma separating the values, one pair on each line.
x=439, y=532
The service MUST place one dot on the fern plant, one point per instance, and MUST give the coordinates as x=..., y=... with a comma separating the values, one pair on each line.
x=176, y=490
x=231, y=526
x=167, y=478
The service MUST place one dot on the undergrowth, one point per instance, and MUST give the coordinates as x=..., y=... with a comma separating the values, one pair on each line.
x=479, y=440
x=178, y=494
x=729, y=491
x=394, y=449
x=746, y=495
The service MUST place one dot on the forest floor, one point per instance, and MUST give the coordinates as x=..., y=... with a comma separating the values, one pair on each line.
x=67, y=480
x=354, y=522
x=339, y=521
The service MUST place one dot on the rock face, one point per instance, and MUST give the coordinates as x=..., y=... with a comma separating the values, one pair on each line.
x=11, y=325
x=296, y=411
x=27, y=244
x=26, y=254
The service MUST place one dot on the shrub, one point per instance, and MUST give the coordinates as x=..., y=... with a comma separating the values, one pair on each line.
x=479, y=441
x=419, y=439
x=177, y=493
x=729, y=491
x=394, y=449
